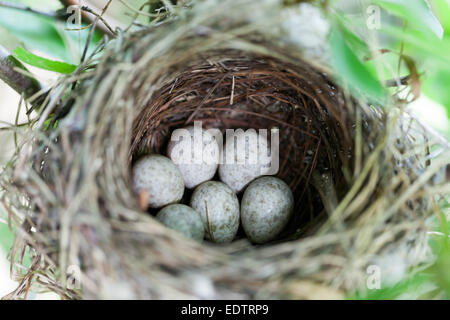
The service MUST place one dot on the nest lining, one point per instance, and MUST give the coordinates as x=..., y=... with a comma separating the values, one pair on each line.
x=81, y=211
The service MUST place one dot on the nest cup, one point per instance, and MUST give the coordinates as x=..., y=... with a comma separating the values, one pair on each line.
x=84, y=225
x=232, y=89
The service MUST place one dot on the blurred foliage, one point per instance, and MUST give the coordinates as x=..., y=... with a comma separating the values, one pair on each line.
x=56, y=38
x=417, y=12
x=43, y=34
x=413, y=39
x=355, y=73
x=414, y=31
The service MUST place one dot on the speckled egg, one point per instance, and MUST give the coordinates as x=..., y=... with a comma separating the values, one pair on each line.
x=196, y=153
x=245, y=157
x=160, y=178
x=218, y=207
x=183, y=219
x=266, y=208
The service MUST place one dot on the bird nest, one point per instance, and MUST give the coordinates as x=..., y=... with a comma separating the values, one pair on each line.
x=358, y=176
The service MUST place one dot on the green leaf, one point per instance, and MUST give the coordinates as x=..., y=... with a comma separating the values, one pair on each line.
x=353, y=40
x=421, y=45
x=442, y=10
x=351, y=70
x=43, y=63
x=417, y=12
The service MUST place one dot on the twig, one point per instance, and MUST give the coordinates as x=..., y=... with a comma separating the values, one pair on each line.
x=139, y=12
x=397, y=82
x=232, y=92
x=323, y=182
x=88, y=41
x=442, y=140
x=23, y=84
x=99, y=16
x=208, y=222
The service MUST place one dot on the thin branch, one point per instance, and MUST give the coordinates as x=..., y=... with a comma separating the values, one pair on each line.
x=323, y=182
x=23, y=84
x=404, y=81
x=99, y=16
x=88, y=41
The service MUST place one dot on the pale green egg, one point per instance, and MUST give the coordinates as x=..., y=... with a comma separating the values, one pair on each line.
x=183, y=219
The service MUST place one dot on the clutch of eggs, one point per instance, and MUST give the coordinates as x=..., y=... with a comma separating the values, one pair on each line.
x=214, y=211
